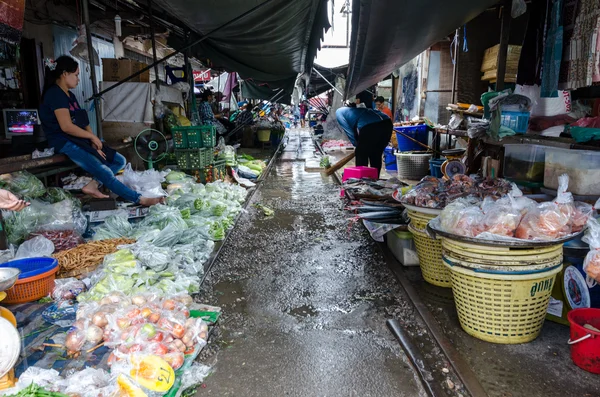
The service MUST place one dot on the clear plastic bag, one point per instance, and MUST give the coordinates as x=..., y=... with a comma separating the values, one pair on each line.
x=36, y=247
x=148, y=183
x=519, y=7
x=115, y=226
x=591, y=264
x=24, y=184
x=66, y=289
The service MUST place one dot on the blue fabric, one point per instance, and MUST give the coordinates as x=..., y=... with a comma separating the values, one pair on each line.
x=104, y=174
x=352, y=120
x=206, y=114
x=552, y=53
x=55, y=98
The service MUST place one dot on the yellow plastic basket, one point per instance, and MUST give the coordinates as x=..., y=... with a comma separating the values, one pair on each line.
x=429, y=251
x=474, y=256
x=500, y=308
x=419, y=220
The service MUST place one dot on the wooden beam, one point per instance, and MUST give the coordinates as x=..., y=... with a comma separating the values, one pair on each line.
x=503, y=50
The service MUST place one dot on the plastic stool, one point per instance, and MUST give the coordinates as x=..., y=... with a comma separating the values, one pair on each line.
x=359, y=173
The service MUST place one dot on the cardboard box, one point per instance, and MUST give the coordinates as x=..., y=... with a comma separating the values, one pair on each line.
x=119, y=69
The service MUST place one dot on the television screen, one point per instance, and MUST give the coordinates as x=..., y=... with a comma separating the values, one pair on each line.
x=20, y=121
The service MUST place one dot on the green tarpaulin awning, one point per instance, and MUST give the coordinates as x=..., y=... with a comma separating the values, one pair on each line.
x=386, y=34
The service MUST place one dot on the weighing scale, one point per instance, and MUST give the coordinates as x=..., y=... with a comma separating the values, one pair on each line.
x=10, y=343
x=453, y=164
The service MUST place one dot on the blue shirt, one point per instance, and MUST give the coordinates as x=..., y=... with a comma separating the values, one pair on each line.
x=55, y=98
x=206, y=114
x=352, y=120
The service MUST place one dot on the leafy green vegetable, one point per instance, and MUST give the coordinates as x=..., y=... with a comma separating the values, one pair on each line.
x=266, y=210
x=186, y=213
x=34, y=390
x=24, y=184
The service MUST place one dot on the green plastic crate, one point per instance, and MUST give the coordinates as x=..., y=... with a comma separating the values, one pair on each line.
x=209, y=136
x=213, y=172
x=194, y=137
x=194, y=159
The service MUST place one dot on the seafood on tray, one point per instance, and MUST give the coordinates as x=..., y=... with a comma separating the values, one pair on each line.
x=432, y=192
x=516, y=216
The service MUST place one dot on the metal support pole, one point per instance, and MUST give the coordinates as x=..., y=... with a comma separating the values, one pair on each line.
x=186, y=47
x=153, y=32
x=189, y=75
x=328, y=82
x=394, y=96
x=96, y=97
x=455, y=66
x=503, y=50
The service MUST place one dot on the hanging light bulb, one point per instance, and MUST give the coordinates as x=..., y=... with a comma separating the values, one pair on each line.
x=118, y=25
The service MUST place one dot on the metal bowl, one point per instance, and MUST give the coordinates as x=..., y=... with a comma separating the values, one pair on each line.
x=8, y=277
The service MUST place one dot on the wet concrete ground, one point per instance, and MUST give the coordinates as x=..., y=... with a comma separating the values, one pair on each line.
x=305, y=300
x=540, y=368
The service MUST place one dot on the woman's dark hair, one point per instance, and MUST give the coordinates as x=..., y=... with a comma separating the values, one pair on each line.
x=365, y=97
x=380, y=99
x=206, y=94
x=61, y=65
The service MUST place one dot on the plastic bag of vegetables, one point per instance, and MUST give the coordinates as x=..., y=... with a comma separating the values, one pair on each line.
x=24, y=184
x=115, y=226
x=159, y=216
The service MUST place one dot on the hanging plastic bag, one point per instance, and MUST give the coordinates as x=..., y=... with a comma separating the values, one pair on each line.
x=148, y=183
x=35, y=248
x=591, y=265
x=519, y=7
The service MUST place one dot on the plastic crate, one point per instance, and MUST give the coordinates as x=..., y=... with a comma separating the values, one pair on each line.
x=413, y=166
x=213, y=172
x=435, y=167
x=516, y=121
x=194, y=159
x=390, y=159
x=194, y=137
x=417, y=132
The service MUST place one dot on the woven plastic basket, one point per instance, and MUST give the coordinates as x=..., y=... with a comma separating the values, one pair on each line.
x=419, y=220
x=32, y=288
x=502, y=259
x=429, y=251
x=500, y=308
x=412, y=165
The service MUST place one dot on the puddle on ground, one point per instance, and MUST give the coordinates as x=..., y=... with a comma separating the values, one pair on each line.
x=304, y=311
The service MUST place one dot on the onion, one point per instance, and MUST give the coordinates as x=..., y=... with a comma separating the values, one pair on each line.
x=105, y=301
x=138, y=300
x=99, y=319
x=79, y=324
x=94, y=334
x=75, y=341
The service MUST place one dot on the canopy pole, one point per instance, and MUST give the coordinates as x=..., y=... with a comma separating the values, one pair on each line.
x=186, y=47
x=503, y=50
x=328, y=82
x=188, y=72
x=153, y=32
x=455, y=65
x=88, y=36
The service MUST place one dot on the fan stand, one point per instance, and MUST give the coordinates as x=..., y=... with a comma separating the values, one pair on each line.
x=151, y=145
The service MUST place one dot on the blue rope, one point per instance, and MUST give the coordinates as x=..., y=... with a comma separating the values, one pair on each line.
x=465, y=45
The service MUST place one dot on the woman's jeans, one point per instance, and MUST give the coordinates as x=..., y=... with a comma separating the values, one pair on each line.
x=104, y=174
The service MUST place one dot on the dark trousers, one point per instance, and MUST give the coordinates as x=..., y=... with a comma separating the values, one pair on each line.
x=372, y=140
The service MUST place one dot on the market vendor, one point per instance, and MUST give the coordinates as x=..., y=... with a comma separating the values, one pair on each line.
x=207, y=116
x=68, y=131
x=9, y=201
x=246, y=117
x=368, y=129
x=382, y=107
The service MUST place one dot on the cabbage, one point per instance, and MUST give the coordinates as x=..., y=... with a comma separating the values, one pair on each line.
x=176, y=176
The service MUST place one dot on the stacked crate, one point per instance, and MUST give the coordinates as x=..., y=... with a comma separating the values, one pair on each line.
x=195, y=151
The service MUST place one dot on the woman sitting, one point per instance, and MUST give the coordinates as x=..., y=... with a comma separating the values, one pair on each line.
x=68, y=130
x=207, y=116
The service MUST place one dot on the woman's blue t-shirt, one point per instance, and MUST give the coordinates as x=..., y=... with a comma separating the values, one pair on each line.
x=55, y=98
